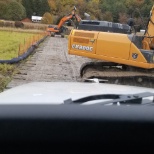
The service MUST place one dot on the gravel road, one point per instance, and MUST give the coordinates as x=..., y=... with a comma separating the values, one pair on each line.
x=50, y=63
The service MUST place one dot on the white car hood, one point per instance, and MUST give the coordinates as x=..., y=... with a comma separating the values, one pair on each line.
x=57, y=92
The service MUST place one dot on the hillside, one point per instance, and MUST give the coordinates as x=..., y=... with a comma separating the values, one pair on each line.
x=53, y=10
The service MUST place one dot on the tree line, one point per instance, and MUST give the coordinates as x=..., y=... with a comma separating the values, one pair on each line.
x=53, y=10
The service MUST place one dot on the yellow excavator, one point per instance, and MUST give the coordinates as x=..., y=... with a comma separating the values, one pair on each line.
x=120, y=58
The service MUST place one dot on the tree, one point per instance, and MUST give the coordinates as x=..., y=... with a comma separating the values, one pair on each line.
x=37, y=7
x=111, y=10
x=61, y=7
x=114, y=7
x=28, y=6
x=47, y=18
x=123, y=18
x=91, y=7
x=145, y=10
x=19, y=1
x=12, y=10
x=107, y=16
x=2, y=9
x=46, y=7
x=133, y=6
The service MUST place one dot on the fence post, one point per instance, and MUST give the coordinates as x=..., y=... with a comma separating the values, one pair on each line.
x=19, y=51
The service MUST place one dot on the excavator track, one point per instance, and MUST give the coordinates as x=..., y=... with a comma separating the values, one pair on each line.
x=117, y=74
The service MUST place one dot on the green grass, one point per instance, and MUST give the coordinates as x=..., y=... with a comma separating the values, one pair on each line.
x=10, y=38
x=6, y=69
x=4, y=82
x=9, y=43
x=6, y=72
x=9, y=47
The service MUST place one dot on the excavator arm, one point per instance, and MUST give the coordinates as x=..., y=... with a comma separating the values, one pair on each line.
x=57, y=29
x=69, y=17
x=63, y=20
x=148, y=41
x=78, y=18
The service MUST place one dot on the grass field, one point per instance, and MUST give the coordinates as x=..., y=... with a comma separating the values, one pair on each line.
x=9, y=43
x=10, y=39
x=6, y=71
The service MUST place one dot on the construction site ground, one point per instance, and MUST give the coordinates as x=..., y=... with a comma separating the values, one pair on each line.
x=49, y=63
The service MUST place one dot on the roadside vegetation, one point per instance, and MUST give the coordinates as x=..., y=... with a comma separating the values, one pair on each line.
x=10, y=42
x=6, y=72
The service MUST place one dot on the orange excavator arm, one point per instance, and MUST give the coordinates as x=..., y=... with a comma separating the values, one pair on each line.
x=63, y=20
x=57, y=30
x=66, y=18
x=77, y=18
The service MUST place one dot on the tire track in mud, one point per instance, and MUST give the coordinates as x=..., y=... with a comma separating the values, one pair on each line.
x=50, y=63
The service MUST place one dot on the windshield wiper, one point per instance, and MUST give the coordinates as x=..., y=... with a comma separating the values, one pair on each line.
x=127, y=99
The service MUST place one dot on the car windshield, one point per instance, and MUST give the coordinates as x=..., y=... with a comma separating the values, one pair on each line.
x=53, y=47
x=76, y=72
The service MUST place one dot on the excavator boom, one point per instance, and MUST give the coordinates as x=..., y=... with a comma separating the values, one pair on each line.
x=148, y=41
x=59, y=28
x=63, y=20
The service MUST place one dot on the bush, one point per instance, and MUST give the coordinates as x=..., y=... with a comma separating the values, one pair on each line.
x=1, y=23
x=8, y=24
x=19, y=24
x=13, y=11
x=37, y=26
x=47, y=18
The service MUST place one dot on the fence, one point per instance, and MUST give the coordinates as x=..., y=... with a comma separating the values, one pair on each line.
x=23, y=47
x=6, y=70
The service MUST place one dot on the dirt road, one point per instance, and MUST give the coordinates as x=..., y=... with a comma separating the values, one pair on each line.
x=50, y=63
